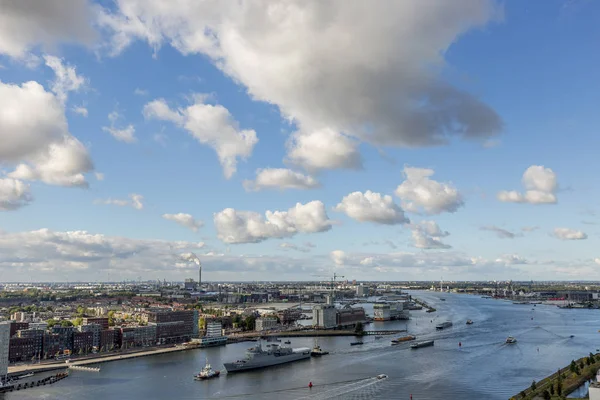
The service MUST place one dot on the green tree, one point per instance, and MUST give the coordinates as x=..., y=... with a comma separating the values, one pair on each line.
x=78, y=321
x=250, y=323
x=111, y=318
x=546, y=395
x=559, y=388
x=592, y=358
x=51, y=322
x=581, y=365
x=523, y=395
x=552, y=390
x=533, y=386
x=572, y=366
x=359, y=328
x=588, y=361
x=65, y=323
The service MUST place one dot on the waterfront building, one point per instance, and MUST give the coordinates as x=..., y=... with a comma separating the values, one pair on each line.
x=102, y=321
x=349, y=316
x=174, y=326
x=324, y=316
x=83, y=341
x=95, y=329
x=37, y=336
x=214, y=335
x=594, y=391
x=52, y=344
x=66, y=336
x=138, y=336
x=17, y=326
x=21, y=349
x=4, y=347
x=362, y=291
x=383, y=311
x=108, y=339
x=265, y=324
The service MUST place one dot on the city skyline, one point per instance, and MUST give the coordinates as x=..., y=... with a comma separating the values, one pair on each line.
x=282, y=140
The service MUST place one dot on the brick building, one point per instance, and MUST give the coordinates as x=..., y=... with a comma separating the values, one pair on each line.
x=83, y=341
x=102, y=321
x=174, y=326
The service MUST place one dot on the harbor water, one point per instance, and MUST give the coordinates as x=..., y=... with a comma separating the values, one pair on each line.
x=483, y=367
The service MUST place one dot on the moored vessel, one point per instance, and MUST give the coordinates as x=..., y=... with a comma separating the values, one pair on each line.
x=418, y=345
x=256, y=357
x=356, y=343
x=404, y=339
x=443, y=325
x=469, y=322
x=511, y=340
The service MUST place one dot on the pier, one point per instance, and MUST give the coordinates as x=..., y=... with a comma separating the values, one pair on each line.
x=425, y=305
x=83, y=368
x=27, y=385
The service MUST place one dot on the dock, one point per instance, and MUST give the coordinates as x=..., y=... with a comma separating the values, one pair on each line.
x=424, y=305
x=27, y=385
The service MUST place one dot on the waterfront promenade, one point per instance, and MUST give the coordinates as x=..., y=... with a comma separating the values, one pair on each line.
x=95, y=359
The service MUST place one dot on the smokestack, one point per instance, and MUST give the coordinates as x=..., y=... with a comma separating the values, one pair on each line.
x=199, y=275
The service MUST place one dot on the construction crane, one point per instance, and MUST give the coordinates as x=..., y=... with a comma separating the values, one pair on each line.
x=335, y=276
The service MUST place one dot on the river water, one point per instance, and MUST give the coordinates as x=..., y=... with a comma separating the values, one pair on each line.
x=482, y=368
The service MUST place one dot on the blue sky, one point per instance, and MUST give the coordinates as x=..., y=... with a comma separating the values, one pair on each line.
x=520, y=77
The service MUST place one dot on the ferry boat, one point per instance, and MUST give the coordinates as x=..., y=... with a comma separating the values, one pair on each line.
x=443, y=325
x=207, y=373
x=469, y=322
x=256, y=357
x=418, y=345
x=404, y=339
x=511, y=340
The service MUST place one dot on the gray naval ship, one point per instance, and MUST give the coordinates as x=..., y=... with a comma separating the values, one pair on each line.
x=256, y=357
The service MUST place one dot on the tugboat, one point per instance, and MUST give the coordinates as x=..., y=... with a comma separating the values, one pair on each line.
x=511, y=340
x=207, y=373
x=317, y=351
x=469, y=322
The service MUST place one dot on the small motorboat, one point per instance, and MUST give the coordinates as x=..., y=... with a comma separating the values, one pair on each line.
x=287, y=342
x=469, y=322
x=511, y=340
x=356, y=343
x=382, y=376
x=207, y=373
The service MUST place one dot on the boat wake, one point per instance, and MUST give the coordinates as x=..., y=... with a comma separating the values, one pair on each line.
x=342, y=390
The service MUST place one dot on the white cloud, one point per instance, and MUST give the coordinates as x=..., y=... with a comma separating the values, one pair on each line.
x=419, y=194
x=597, y=261
x=25, y=24
x=211, y=125
x=372, y=207
x=35, y=137
x=338, y=257
x=99, y=176
x=530, y=228
x=126, y=134
x=13, y=194
x=81, y=111
x=540, y=184
x=135, y=201
x=323, y=149
x=280, y=178
x=428, y=235
x=140, y=92
x=500, y=232
x=568, y=234
x=66, y=79
x=186, y=220
x=251, y=227
x=301, y=56
x=291, y=246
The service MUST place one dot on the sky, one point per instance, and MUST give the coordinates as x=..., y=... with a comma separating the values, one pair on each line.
x=288, y=140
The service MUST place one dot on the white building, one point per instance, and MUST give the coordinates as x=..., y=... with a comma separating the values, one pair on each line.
x=38, y=325
x=324, y=316
x=4, y=342
x=362, y=291
x=265, y=323
x=594, y=391
x=214, y=329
